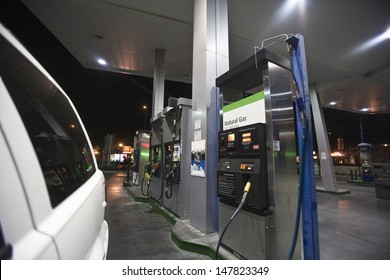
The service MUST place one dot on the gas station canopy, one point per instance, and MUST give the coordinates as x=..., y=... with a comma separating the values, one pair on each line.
x=347, y=47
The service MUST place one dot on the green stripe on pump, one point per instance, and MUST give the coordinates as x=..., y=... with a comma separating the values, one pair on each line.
x=248, y=100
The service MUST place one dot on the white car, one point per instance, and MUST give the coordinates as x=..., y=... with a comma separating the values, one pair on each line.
x=52, y=194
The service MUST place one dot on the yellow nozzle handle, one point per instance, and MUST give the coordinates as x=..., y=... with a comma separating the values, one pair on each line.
x=247, y=187
x=147, y=176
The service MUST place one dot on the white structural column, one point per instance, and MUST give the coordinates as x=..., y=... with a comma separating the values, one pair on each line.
x=158, y=82
x=327, y=169
x=210, y=60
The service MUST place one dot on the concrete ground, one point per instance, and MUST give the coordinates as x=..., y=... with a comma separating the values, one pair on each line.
x=351, y=226
x=137, y=231
x=354, y=226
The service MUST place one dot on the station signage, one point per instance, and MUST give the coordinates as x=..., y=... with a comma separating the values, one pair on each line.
x=247, y=111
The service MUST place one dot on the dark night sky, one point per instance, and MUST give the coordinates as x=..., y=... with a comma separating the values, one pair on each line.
x=112, y=103
x=107, y=102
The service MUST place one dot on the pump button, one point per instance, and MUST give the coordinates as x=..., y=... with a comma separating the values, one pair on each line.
x=227, y=165
x=247, y=166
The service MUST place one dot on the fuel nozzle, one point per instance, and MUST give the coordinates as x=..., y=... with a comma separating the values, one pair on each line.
x=247, y=187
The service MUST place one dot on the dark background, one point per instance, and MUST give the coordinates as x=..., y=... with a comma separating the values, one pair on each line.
x=112, y=103
x=107, y=102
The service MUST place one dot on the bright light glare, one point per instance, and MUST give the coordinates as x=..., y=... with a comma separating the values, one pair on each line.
x=289, y=8
x=332, y=103
x=337, y=154
x=290, y=5
x=372, y=42
x=364, y=109
x=101, y=61
x=387, y=33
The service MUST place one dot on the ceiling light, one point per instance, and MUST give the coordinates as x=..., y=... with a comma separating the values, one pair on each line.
x=101, y=61
x=365, y=109
x=332, y=103
x=372, y=42
x=387, y=33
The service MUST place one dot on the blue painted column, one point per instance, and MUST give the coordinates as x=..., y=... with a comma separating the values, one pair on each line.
x=311, y=248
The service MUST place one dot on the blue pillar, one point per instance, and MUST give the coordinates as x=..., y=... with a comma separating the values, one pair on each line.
x=311, y=247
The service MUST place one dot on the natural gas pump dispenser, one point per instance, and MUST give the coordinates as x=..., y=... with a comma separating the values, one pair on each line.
x=257, y=168
x=177, y=156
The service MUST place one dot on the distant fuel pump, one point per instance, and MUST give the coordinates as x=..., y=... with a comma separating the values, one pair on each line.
x=172, y=168
x=141, y=154
x=156, y=157
x=170, y=157
x=177, y=156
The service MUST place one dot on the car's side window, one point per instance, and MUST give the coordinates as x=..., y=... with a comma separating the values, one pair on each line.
x=55, y=132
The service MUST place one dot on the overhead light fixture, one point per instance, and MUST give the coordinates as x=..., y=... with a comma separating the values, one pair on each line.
x=289, y=7
x=365, y=109
x=372, y=42
x=387, y=33
x=101, y=61
x=332, y=103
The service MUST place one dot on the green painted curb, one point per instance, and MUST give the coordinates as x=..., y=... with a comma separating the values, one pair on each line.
x=333, y=192
x=182, y=244
x=143, y=199
x=127, y=184
x=195, y=247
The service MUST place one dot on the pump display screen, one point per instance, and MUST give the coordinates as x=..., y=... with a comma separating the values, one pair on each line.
x=249, y=138
x=156, y=155
x=231, y=140
x=242, y=140
x=246, y=138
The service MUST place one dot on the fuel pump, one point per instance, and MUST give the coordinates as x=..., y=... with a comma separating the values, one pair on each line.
x=172, y=168
x=257, y=144
x=141, y=155
x=177, y=143
x=135, y=167
x=172, y=151
x=147, y=176
x=156, y=171
x=149, y=171
x=156, y=157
